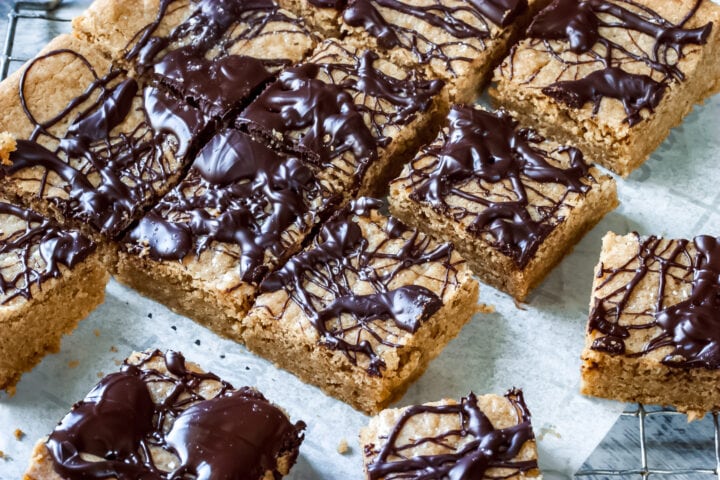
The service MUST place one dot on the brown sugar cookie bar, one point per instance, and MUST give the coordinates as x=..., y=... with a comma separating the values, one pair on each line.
x=613, y=76
x=479, y=437
x=322, y=15
x=240, y=212
x=50, y=279
x=160, y=417
x=458, y=41
x=94, y=146
x=654, y=328
x=356, y=115
x=511, y=201
x=363, y=309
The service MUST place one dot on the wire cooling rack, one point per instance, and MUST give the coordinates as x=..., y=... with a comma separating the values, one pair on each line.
x=50, y=11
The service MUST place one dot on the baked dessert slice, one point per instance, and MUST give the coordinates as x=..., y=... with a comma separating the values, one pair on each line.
x=240, y=212
x=458, y=41
x=654, y=326
x=50, y=279
x=485, y=437
x=323, y=16
x=95, y=146
x=613, y=76
x=160, y=417
x=363, y=309
x=356, y=116
x=512, y=202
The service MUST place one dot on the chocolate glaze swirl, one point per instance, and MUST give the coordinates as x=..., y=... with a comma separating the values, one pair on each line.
x=341, y=251
x=56, y=246
x=691, y=328
x=579, y=24
x=235, y=434
x=473, y=449
x=483, y=149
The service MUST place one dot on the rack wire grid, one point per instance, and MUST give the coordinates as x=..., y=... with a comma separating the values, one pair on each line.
x=47, y=11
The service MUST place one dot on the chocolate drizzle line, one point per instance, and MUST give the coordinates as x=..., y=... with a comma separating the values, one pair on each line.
x=579, y=24
x=109, y=174
x=239, y=192
x=464, y=21
x=487, y=150
x=236, y=434
x=691, y=327
x=339, y=257
x=480, y=446
x=41, y=237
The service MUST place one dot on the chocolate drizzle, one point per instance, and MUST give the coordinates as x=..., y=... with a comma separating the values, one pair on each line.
x=40, y=237
x=236, y=434
x=352, y=322
x=238, y=192
x=487, y=151
x=691, y=328
x=471, y=451
x=581, y=24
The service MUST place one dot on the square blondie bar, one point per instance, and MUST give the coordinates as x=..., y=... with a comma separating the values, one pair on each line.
x=163, y=418
x=363, y=309
x=654, y=326
x=512, y=202
x=479, y=437
x=613, y=76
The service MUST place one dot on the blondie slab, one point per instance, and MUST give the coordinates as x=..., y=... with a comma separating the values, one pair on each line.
x=485, y=437
x=50, y=279
x=362, y=310
x=613, y=76
x=161, y=418
x=654, y=327
x=350, y=112
x=241, y=211
x=512, y=202
x=458, y=41
x=94, y=146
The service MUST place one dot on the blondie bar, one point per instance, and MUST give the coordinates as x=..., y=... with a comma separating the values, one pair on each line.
x=486, y=437
x=159, y=417
x=362, y=310
x=613, y=76
x=512, y=202
x=654, y=328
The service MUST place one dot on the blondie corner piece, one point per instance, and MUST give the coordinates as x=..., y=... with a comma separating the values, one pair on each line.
x=613, y=76
x=654, y=328
x=485, y=437
x=362, y=310
x=50, y=279
x=240, y=212
x=512, y=202
x=161, y=418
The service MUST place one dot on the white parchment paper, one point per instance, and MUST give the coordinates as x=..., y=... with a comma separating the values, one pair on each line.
x=535, y=347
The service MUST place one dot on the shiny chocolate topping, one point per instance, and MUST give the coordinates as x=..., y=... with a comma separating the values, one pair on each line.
x=585, y=26
x=236, y=434
x=691, y=328
x=345, y=320
x=57, y=246
x=472, y=450
x=110, y=173
x=238, y=192
x=480, y=149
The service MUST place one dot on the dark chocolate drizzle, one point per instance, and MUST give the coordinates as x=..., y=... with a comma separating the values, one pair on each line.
x=110, y=174
x=238, y=192
x=339, y=252
x=480, y=148
x=691, y=327
x=578, y=23
x=56, y=246
x=483, y=447
x=237, y=434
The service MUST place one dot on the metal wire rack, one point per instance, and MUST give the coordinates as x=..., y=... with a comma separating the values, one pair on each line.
x=47, y=11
